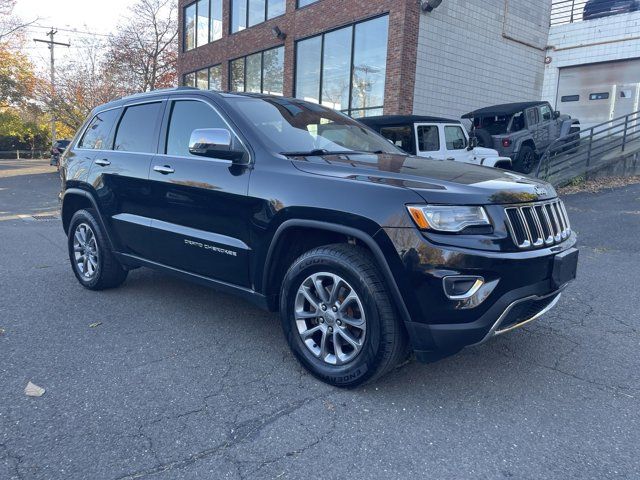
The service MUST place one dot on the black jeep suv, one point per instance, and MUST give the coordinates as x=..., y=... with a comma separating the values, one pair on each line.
x=367, y=252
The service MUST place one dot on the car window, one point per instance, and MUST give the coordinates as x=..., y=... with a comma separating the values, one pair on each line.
x=454, y=136
x=517, y=122
x=546, y=113
x=187, y=116
x=428, y=138
x=400, y=136
x=97, y=133
x=137, y=128
x=532, y=116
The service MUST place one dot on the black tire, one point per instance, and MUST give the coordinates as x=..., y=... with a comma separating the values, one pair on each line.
x=485, y=139
x=107, y=273
x=525, y=161
x=385, y=342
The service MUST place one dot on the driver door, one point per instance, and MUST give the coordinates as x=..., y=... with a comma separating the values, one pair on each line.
x=200, y=222
x=455, y=143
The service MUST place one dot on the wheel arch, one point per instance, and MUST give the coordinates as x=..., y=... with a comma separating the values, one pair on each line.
x=75, y=199
x=277, y=264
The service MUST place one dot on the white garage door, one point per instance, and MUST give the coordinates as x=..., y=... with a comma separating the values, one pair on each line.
x=600, y=92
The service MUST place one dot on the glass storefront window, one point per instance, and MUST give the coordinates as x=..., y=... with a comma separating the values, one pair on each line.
x=247, y=13
x=190, y=27
x=215, y=78
x=329, y=71
x=215, y=26
x=262, y=72
x=308, y=60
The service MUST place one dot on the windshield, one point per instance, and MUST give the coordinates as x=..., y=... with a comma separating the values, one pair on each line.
x=292, y=127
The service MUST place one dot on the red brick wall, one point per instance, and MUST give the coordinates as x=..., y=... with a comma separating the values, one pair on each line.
x=404, y=18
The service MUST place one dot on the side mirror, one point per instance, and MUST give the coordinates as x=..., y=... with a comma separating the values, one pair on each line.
x=556, y=114
x=213, y=143
x=473, y=143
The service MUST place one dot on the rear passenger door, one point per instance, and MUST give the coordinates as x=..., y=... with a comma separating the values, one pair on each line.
x=201, y=212
x=120, y=176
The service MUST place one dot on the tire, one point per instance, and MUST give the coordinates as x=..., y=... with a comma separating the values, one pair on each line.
x=525, y=161
x=485, y=139
x=92, y=261
x=380, y=336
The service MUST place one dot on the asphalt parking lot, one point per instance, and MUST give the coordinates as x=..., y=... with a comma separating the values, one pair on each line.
x=178, y=381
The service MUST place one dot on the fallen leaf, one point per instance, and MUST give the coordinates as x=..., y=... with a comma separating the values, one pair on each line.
x=33, y=390
x=94, y=325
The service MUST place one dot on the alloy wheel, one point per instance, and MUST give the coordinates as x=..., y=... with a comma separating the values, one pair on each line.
x=330, y=318
x=85, y=251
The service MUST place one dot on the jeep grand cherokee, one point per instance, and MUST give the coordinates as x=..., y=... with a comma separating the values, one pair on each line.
x=367, y=252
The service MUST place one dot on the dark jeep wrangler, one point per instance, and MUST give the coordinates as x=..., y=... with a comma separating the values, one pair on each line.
x=367, y=252
x=521, y=131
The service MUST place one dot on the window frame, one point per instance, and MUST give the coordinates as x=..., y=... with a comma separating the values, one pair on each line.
x=163, y=131
x=195, y=74
x=88, y=124
x=464, y=137
x=417, y=128
x=246, y=19
x=348, y=111
x=163, y=103
x=209, y=22
x=244, y=70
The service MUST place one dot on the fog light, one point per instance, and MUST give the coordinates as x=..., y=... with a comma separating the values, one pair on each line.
x=461, y=287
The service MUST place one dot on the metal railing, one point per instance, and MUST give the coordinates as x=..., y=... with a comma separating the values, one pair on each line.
x=567, y=11
x=581, y=153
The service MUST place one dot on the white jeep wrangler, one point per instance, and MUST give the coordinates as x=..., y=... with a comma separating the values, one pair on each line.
x=437, y=138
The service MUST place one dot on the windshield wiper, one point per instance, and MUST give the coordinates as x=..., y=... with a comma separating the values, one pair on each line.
x=315, y=153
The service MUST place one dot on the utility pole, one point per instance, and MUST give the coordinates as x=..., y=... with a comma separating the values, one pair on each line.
x=51, y=44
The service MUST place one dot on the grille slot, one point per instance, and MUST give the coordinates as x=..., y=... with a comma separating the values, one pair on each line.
x=539, y=224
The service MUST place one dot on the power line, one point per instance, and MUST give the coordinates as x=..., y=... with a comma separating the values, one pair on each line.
x=52, y=44
x=71, y=30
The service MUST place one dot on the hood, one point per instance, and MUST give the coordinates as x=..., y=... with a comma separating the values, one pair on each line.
x=437, y=181
x=485, y=152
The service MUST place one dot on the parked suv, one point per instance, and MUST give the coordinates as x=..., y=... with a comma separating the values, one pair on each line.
x=521, y=131
x=367, y=252
x=437, y=138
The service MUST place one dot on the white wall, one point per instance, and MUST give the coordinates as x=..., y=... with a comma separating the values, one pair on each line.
x=464, y=62
x=601, y=40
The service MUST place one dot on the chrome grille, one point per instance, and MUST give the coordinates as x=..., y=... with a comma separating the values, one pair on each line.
x=539, y=224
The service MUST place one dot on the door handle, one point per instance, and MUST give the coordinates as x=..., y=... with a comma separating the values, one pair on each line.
x=165, y=170
x=103, y=162
x=452, y=159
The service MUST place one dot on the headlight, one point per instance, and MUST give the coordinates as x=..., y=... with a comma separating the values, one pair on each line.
x=444, y=218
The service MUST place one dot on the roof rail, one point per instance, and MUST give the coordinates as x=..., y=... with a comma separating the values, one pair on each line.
x=159, y=90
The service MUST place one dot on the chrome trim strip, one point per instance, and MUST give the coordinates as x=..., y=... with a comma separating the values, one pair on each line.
x=472, y=291
x=494, y=331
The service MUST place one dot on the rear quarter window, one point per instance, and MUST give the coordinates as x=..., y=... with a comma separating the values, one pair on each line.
x=97, y=133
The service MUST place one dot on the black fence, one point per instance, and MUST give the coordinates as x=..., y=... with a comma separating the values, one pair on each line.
x=609, y=146
x=24, y=154
x=567, y=11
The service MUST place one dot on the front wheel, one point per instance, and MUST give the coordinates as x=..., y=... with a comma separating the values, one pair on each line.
x=338, y=317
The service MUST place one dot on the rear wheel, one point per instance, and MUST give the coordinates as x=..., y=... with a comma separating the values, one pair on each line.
x=93, y=263
x=338, y=317
x=526, y=160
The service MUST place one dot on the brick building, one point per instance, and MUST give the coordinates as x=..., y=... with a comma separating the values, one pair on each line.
x=366, y=57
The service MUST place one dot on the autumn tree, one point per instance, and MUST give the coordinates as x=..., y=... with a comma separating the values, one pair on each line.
x=142, y=53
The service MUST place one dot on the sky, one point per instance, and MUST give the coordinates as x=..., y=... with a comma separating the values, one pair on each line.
x=85, y=18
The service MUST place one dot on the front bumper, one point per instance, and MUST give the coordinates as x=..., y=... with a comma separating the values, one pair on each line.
x=518, y=288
